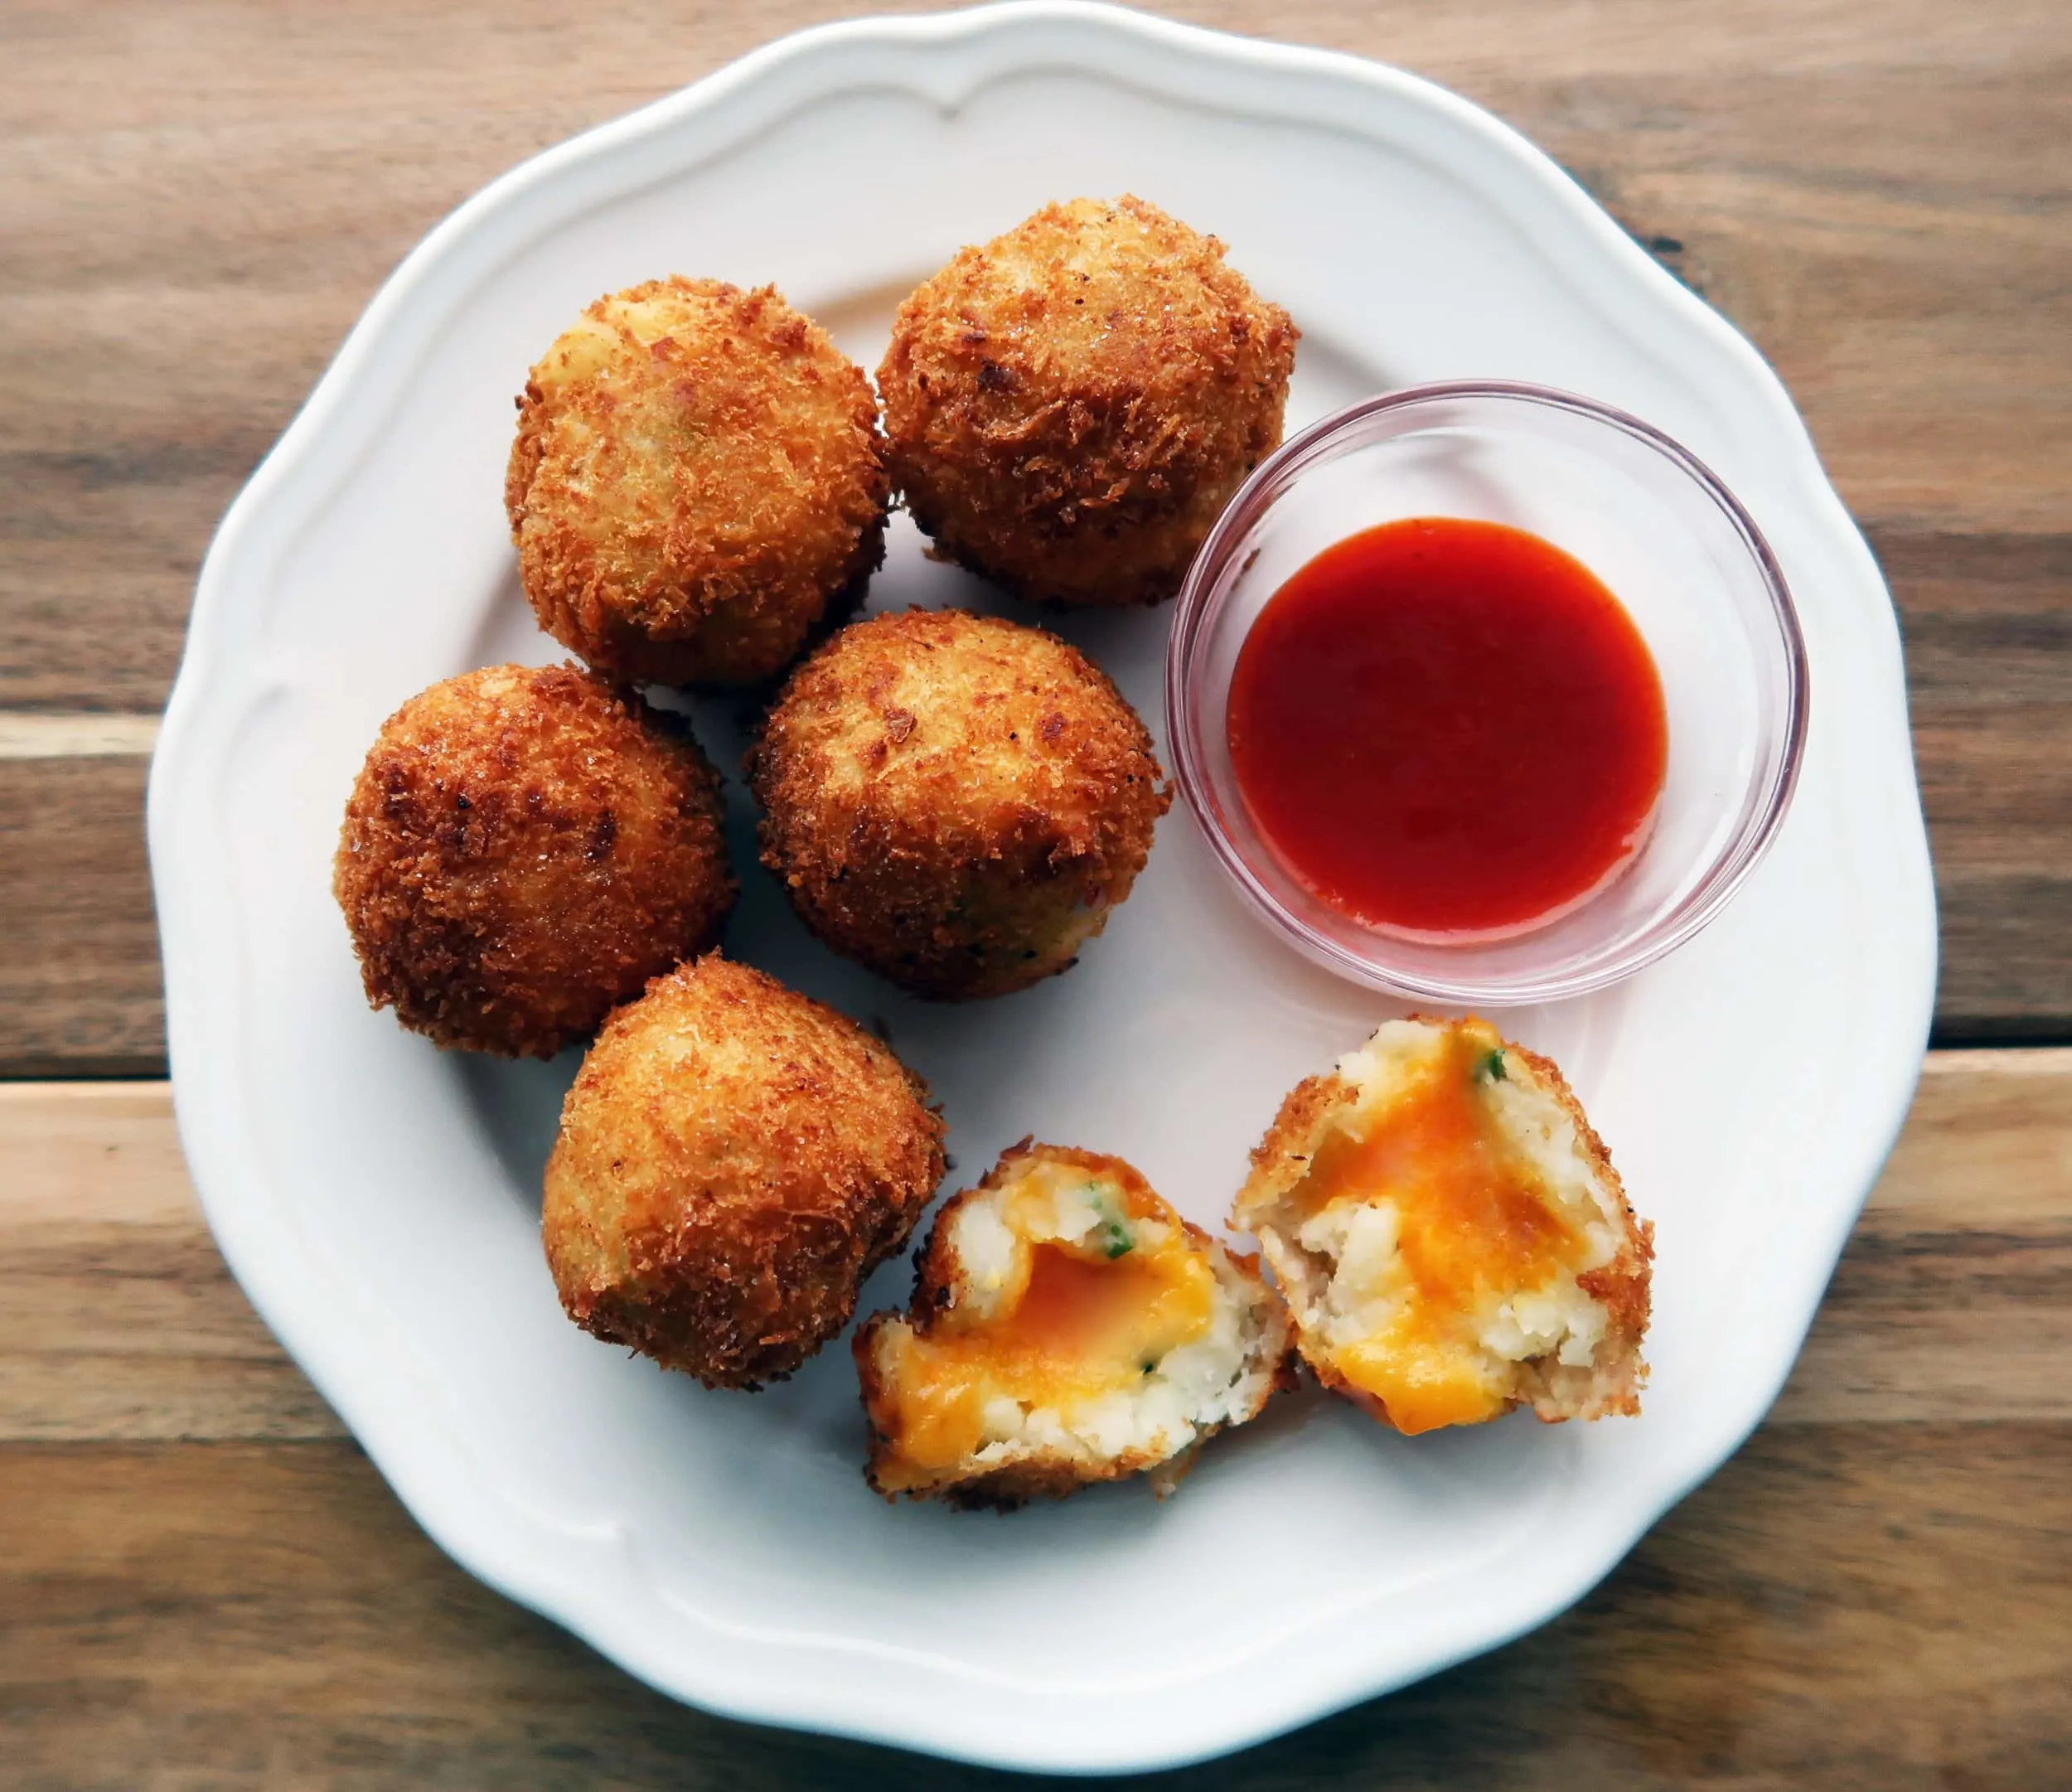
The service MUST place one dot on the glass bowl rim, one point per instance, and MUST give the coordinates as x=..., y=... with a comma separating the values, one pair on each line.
x=1625, y=954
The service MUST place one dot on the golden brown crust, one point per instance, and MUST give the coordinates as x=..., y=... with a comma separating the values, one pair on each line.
x=1281, y=1159
x=1623, y=1287
x=733, y=1159
x=1610, y=1385
x=1069, y=407
x=939, y=1285
x=1046, y=1478
x=955, y=801
x=698, y=477
x=523, y=848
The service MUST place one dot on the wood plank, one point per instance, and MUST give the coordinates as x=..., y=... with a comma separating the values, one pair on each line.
x=1988, y=1144
x=89, y=734
x=1844, y=1606
x=1988, y=627
x=206, y=1583
x=80, y=988
x=1949, y=1299
x=1875, y=191
x=1948, y=1306
x=121, y=1320
x=1989, y=644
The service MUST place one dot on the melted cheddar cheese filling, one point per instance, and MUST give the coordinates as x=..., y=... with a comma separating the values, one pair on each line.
x=1071, y=1299
x=1436, y=1221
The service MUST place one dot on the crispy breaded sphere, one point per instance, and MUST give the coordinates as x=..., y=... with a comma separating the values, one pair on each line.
x=1069, y=407
x=954, y=800
x=1449, y=1233
x=1067, y=1327
x=733, y=1160
x=698, y=477
x=523, y=850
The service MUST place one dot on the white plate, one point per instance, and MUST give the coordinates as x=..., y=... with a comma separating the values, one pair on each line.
x=379, y=1201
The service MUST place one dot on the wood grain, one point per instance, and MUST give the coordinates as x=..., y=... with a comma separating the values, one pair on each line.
x=122, y=1322
x=1868, y=1606
x=203, y=1582
x=196, y=200
x=1988, y=625
x=80, y=990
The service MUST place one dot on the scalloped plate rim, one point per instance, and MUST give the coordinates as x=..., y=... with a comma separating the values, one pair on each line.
x=489, y=1537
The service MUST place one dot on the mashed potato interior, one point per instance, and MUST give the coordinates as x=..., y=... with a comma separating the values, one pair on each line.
x=1077, y=1325
x=1455, y=1229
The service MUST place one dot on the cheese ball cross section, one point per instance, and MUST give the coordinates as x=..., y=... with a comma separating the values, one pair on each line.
x=697, y=484
x=1067, y=1327
x=1069, y=407
x=955, y=801
x=523, y=849
x=1450, y=1234
x=733, y=1159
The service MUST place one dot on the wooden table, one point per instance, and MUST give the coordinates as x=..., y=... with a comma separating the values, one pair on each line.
x=202, y=1582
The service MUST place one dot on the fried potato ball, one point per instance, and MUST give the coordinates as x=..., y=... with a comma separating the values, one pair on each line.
x=733, y=1160
x=698, y=477
x=957, y=802
x=1070, y=406
x=522, y=850
x=1450, y=1235
x=1067, y=1327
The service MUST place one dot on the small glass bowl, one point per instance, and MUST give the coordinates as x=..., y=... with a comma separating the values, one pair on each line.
x=1668, y=539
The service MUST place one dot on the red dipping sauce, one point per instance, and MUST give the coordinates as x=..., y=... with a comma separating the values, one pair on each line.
x=1447, y=727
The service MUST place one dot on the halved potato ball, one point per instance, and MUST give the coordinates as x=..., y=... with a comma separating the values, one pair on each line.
x=523, y=850
x=1067, y=1327
x=955, y=801
x=1450, y=1235
x=733, y=1160
x=1069, y=406
x=698, y=477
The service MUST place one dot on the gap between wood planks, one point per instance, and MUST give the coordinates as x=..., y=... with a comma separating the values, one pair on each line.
x=118, y=1321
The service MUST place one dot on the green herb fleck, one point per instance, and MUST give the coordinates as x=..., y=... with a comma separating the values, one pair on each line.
x=1114, y=1237
x=1491, y=1068
x=1149, y=1364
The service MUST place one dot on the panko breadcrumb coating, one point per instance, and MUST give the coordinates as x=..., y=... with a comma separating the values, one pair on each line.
x=1450, y=1234
x=522, y=850
x=955, y=801
x=1067, y=1327
x=1070, y=406
x=698, y=478
x=733, y=1160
